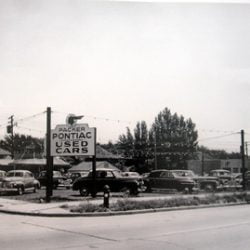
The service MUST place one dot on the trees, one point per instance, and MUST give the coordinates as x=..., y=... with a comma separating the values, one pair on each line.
x=174, y=139
x=22, y=143
x=170, y=141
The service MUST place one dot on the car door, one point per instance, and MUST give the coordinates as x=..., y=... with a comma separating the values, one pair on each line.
x=28, y=180
x=164, y=180
x=154, y=179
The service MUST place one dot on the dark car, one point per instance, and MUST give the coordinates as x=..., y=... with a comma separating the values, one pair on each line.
x=58, y=179
x=112, y=178
x=207, y=183
x=168, y=179
x=73, y=176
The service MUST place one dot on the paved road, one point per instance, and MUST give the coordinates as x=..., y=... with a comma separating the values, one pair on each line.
x=215, y=228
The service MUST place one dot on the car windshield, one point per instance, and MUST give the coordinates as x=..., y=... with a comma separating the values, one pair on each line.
x=117, y=174
x=57, y=174
x=16, y=174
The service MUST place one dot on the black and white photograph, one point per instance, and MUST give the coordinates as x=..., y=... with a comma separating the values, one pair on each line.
x=124, y=124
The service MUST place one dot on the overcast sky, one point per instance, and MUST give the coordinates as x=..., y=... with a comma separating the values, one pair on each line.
x=121, y=62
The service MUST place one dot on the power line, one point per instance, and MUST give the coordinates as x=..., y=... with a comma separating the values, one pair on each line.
x=217, y=137
x=30, y=129
x=98, y=118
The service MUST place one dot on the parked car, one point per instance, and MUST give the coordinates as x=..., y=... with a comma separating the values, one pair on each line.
x=73, y=176
x=58, y=179
x=207, y=183
x=168, y=179
x=224, y=175
x=134, y=175
x=19, y=181
x=112, y=178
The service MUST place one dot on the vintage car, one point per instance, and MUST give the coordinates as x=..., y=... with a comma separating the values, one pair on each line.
x=207, y=183
x=58, y=179
x=105, y=177
x=19, y=181
x=168, y=179
x=223, y=175
x=73, y=176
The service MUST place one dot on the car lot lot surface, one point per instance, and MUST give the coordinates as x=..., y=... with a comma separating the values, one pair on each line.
x=62, y=194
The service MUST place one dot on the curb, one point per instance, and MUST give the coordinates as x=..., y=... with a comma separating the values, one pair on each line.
x=114, y=213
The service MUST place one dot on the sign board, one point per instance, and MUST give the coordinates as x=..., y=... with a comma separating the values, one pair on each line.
x=73, y=140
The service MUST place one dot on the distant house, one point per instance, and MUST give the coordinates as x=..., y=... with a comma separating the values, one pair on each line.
x=4, y=153
x=233, y=165
x=36, y=165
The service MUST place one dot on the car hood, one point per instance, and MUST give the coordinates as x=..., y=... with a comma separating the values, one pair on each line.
x=12, y=179
x=205, y=178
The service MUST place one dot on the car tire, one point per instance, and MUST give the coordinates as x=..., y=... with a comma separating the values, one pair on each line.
x=84, y=191
x=20, y=190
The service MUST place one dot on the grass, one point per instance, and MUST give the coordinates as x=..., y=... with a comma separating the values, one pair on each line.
x=128, y=205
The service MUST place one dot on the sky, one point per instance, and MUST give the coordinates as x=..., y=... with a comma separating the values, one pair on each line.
x=120, y=62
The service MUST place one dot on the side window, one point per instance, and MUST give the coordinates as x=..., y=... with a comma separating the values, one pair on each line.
x=165, y=175
x=155, y=174
x=109, y=174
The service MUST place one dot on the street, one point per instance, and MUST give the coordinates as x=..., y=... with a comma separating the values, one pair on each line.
x=213, y=228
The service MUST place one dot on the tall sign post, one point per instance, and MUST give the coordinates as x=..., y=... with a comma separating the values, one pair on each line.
x=94, y=167
x=72, y=139
x=49, y=158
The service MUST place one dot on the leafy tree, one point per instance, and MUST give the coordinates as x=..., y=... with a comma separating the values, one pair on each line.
x=22, y=143
x=174, y=139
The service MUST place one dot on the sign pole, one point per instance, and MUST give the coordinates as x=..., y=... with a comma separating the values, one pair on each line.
x=49, y=158
x=94, y=166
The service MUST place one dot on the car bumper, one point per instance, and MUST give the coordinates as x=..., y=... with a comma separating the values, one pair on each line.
x=5, y=190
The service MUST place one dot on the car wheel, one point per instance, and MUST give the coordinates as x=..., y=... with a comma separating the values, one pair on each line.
x=148, y=189
x=35, y=188
x=84, y=191
x=20, y=190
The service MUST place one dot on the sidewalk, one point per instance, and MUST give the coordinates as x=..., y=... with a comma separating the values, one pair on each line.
x=54, y=209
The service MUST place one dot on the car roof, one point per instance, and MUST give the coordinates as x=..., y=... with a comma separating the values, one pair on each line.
x=220, y=170
x=27, y=171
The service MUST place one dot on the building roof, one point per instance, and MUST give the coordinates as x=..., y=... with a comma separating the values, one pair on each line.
x=5, y=162
x=87, y=166
x=4, y=152
x=102, y=153
x=35, y=161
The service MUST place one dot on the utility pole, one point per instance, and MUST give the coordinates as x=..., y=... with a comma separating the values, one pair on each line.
x=155, y=150
x=49, y=158
x=243, y=160
x=202, y=163
x=10, y=131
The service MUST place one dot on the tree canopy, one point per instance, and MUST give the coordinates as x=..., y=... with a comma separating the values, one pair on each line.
x=170, y=140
